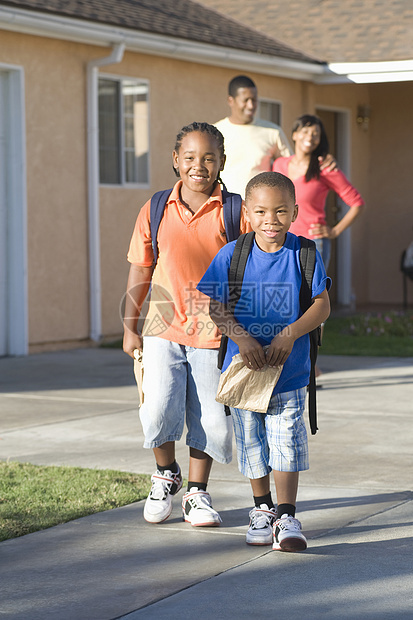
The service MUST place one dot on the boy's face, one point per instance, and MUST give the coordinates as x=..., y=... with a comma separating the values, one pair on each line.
x=243, y=106
x=270, y=211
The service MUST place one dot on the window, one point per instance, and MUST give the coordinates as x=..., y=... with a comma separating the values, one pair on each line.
x=269, y=111
x=123, y=131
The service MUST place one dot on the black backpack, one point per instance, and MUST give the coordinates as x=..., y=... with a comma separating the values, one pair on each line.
x=231, y=204
x=235, y=277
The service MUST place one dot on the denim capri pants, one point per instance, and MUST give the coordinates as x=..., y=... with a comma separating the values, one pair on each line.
x=324, y=247
x=179, y=385
x=276, y=440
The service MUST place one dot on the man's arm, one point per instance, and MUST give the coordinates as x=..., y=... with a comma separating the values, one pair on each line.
x=280, y=148
x=137, y=288
x=328, y=163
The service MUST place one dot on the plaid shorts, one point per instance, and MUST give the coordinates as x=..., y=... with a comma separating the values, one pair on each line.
x=273, y=440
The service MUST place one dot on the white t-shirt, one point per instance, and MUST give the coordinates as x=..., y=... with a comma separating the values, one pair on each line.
x=250, y=149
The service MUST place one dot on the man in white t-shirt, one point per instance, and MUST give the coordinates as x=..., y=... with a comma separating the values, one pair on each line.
x=251, y=144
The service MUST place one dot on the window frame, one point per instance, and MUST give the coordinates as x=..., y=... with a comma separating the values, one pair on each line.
x=268, y=100
x=123, y=183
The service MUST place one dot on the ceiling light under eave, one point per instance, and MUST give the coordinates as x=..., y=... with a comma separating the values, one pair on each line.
x=378, y=78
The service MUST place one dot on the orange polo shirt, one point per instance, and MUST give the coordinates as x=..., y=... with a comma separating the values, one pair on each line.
x=187, y=244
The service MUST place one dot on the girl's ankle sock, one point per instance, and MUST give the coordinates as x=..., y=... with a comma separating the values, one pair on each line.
x=173, y=467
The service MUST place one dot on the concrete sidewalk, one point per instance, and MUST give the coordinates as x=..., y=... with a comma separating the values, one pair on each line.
x=79, y=408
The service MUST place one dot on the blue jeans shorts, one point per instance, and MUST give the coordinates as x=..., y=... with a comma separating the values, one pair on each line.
x=180, y=384
x=276, y=440
x=324, y=247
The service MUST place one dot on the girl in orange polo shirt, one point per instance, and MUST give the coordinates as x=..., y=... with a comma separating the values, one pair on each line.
x=179, y=341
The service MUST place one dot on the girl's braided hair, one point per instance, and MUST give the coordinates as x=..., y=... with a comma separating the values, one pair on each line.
x=202, y=128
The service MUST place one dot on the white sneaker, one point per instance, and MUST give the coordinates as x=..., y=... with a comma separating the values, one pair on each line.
x=158, y=505
x=288, y=535
x=260, y=526
x=197, y=509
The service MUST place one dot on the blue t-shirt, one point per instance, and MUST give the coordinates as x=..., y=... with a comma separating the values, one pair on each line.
x=269, y=301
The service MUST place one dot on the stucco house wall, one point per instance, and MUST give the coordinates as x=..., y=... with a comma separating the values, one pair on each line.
x=56, y=184
x=390, y=222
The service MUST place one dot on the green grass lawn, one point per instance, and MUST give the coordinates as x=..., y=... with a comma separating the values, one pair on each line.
x=371, y=334
x=34, y=497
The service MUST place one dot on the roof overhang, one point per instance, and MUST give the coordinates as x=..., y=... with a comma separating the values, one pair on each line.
x=93, y=33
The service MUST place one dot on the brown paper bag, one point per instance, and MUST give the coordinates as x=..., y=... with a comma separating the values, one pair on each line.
x=138, y=370
x=244, y=388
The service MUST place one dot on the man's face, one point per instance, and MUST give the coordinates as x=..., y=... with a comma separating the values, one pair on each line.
x=243, y=106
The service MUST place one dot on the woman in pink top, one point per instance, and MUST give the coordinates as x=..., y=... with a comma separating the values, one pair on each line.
x=313, y=185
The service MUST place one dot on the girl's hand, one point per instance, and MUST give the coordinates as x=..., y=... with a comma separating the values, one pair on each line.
x=321, y=231
x=131, y=342
x=251, y=352
x=280, y=347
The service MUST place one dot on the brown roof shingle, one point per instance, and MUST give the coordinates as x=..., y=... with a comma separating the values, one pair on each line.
x=334, y=30
x=177, y=18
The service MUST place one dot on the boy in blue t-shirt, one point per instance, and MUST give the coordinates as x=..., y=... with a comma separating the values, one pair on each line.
x=268, y=315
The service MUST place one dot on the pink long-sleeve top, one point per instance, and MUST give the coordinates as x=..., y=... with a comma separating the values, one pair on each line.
x=311, y=197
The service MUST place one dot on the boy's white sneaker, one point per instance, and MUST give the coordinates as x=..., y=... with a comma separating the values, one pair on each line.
x=260, y=525
x=158, y=505
x=197, y=509
x=287, y=535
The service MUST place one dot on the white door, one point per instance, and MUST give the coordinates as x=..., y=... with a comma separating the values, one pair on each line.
x=13, y=208
x=3, y=216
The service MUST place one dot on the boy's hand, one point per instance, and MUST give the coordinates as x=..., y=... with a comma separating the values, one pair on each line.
x=251, y=352
x=280, y=347
x=131, y=342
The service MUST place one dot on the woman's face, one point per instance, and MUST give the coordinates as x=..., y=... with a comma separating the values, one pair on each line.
x=307, y=138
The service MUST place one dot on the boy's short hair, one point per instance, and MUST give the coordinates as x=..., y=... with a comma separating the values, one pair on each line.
x=240, y=81
x=270, y=179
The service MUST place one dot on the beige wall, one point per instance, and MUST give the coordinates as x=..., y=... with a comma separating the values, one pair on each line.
x=391, y=222
x=55, y=90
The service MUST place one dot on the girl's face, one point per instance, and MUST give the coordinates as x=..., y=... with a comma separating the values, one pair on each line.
x=199, y=161
x=307, y=138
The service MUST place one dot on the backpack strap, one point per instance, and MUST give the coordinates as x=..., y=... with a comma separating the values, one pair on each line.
x=157, y=208
x=232, y=213
x=307, y=264
x=236, y=271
